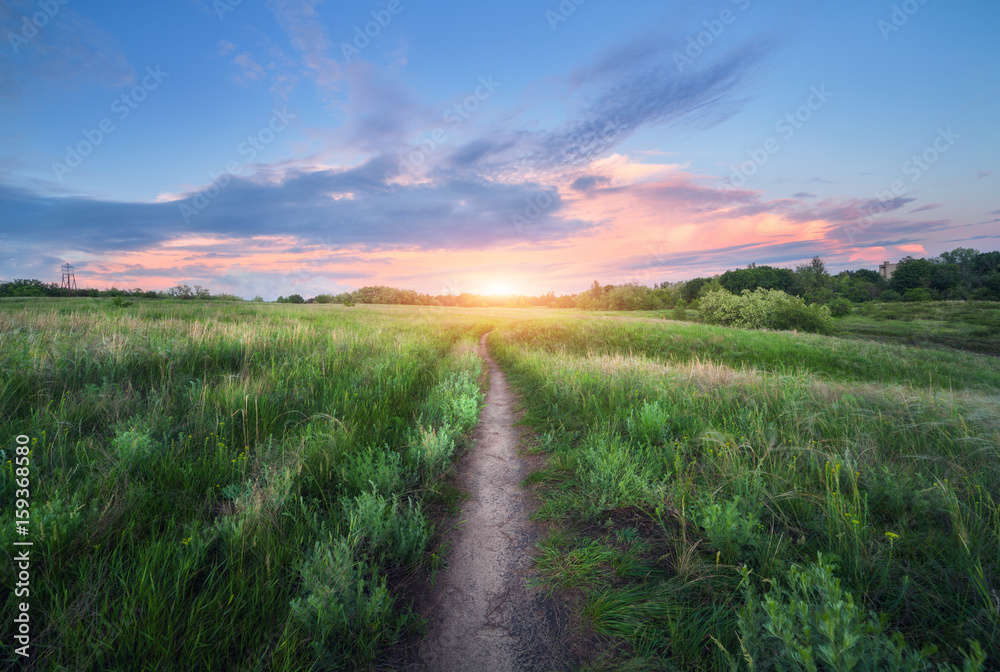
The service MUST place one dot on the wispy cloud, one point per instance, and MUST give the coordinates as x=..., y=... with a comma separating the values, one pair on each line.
x=300, y=21
x=69, y=51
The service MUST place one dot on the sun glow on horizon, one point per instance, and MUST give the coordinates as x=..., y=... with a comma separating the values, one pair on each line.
x=499, y=288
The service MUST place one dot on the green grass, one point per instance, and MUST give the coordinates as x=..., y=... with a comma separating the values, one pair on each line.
x=226, y=487
x=681, y=454
x=243, y=486
x=963, y=325
x=785, y=352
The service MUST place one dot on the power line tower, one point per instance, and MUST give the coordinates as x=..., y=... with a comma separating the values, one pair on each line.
x=68, y=280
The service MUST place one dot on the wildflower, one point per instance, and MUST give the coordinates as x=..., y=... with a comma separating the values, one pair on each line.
x=892, y=536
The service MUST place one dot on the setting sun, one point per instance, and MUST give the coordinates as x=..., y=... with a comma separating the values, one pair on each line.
x=499, y=288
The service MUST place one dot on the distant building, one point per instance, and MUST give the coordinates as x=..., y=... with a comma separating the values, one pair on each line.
x=887, y=269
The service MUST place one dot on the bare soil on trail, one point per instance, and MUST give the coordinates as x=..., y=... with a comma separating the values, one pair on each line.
x=484, y=617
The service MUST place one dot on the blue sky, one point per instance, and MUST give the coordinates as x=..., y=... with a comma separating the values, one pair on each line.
x=619, y=141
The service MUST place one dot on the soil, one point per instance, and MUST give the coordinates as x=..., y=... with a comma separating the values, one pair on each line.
x=483, y=615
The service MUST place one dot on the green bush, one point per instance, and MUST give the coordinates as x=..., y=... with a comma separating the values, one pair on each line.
x=430, y=451
x=840, y=307
x=890, y=295
x=680, y=312
x=811, y=623
x=918, y=294
x=454, y=401
x=765, y=309
x=386, y=531
x=375, y=470
x=347, y=610
x=726, y=525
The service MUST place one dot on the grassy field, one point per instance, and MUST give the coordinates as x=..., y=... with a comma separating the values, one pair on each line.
x=226, y=487
x=803, y=502
x=973, y=326
x=244, y=487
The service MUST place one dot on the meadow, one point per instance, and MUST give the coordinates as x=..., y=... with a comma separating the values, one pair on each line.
x=798, y=501
x=247, y=486
x=225, y=487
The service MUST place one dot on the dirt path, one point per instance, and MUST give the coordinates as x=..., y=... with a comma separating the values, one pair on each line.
x=484, y=616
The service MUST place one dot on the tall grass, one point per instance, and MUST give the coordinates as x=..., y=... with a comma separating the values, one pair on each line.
x=241, y=486
x=688, y=479
x=226, y=486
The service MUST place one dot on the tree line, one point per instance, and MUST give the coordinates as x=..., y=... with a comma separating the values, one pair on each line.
x=961, y=274
x=29, y=288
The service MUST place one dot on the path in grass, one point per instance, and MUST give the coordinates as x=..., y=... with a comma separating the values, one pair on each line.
x=483, y=614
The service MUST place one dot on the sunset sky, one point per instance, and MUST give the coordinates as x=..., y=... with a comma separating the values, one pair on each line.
x=277, y=147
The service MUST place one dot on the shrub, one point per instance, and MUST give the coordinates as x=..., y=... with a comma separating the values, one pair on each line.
x=387, y=532
x=375, y=470
x=347, y=610
x=840, y=307
x=726, y=525
x=813, y=624
x=917, y=294
x=132, y=445
x=453, y=401
x=431, y=450
x=765, y=309
x=890, y=295
x=680, y=311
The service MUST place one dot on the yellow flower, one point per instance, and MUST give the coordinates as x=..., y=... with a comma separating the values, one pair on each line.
x=892, y=536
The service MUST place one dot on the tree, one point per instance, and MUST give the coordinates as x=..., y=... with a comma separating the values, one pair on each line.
x=180, y=292
x=910, y=274
x=691, y=288
x=680, y=311
x=812, y=282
